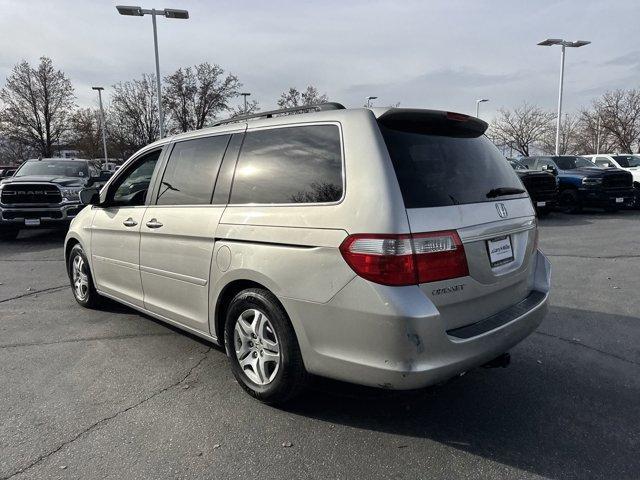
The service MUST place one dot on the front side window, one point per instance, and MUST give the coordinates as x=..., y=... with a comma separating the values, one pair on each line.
x=289, y=165
x=627, y=161
x=191, y=171
x=131, y=189
x=57, y=168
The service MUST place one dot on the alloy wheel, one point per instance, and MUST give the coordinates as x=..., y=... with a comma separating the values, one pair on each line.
x=256, y=347
x=80, y=277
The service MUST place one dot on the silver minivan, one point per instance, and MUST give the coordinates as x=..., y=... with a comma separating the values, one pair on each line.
x=388, y=247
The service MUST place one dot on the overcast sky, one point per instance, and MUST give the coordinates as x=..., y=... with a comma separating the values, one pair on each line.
x=430, y=53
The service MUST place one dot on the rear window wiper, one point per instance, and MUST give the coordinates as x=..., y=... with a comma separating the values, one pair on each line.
x=502, y=191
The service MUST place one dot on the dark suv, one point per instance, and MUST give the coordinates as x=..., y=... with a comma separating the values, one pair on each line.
x=44, y=193
x=541, y=186
x=584, y=184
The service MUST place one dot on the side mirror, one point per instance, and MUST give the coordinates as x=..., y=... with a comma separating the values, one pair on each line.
x=90, y=196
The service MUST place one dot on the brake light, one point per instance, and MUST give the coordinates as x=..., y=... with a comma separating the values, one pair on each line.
x=406, y=259
x=458, y=117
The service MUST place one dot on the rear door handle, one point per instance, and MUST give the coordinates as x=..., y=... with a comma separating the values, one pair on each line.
x=129, y=222
x=154, y=223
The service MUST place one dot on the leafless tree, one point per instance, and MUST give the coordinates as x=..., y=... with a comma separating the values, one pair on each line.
x=522, y=128
x=590, y=136
x=85, y=133
x=569, y=130
x=193, y=97
x=619, y=113
x=36, y=106
x=13, y=152
x=294, y=98
x=252, y=107
x=133, y=115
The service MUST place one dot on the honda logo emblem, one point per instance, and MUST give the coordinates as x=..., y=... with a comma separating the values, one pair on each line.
x=502, y=210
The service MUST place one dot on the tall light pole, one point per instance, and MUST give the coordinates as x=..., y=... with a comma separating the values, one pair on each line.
x=104, y=130
x=168, y=13
x=369, y=100
x=563, y=43
x=245, y=95
x=478, y=102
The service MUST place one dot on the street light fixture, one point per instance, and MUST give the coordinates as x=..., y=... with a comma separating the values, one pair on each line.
x=104, y=131
x=478, y=102
x=369, y=100
x=563, y=43
x=134, y=11
x=245, y=95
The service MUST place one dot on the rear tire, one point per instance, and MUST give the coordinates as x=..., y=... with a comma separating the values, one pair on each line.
x=81, y=280
x=9, y=233
x=543, y=211
x=262, y=347
x=570, y=201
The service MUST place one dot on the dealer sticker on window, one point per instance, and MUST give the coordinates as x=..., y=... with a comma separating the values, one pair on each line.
x=500, y=250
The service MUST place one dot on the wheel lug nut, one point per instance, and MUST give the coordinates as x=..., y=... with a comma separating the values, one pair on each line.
x=251, y=344
x=255, y=354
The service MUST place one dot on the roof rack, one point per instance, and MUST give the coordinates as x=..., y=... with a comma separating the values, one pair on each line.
x=283, y=111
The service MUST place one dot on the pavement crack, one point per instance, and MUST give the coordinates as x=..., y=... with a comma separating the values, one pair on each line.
x=105, y=420
x=85, y=339
x=588, y=347
x=34, y=292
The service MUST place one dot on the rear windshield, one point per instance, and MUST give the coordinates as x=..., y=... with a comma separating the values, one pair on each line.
x=445, y=168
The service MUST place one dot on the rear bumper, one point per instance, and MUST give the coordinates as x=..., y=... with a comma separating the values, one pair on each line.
x=19, y=216
x=393, y=337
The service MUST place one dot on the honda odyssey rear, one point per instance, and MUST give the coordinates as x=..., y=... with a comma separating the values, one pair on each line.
x=385, y=247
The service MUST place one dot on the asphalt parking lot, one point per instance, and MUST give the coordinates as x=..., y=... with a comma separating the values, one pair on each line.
x=115, y=394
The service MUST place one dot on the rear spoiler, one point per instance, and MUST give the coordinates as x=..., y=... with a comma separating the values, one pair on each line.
x=436, y=122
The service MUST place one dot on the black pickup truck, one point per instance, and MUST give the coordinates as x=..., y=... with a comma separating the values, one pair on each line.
x=45, y=193
x=542, y=186
x=584, y=184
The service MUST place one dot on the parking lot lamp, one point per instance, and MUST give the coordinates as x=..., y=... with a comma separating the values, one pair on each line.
x=369, y=101
x=102, y=122
x=478, y=102
x=245, y=95
x=563, y=43
x=168, y=13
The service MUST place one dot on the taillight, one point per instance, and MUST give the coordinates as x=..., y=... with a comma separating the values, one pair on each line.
x=406, y=259
x=439, y=256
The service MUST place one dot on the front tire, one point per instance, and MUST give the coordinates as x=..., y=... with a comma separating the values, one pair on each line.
x=81, y=280
x=262, y=347
x=9, y=233
x=570, y=201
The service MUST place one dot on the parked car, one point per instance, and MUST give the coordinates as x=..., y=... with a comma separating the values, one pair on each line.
x=387, y=247
x=6, y=171
x=583, y=184
x=630, y=163
x=44, y=193
x=542, y=186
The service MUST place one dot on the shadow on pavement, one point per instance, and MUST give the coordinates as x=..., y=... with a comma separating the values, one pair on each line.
x=559, y=411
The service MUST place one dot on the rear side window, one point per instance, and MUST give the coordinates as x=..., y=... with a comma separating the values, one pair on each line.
x=191, y=171
x=447, y=167
x=289, y=165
